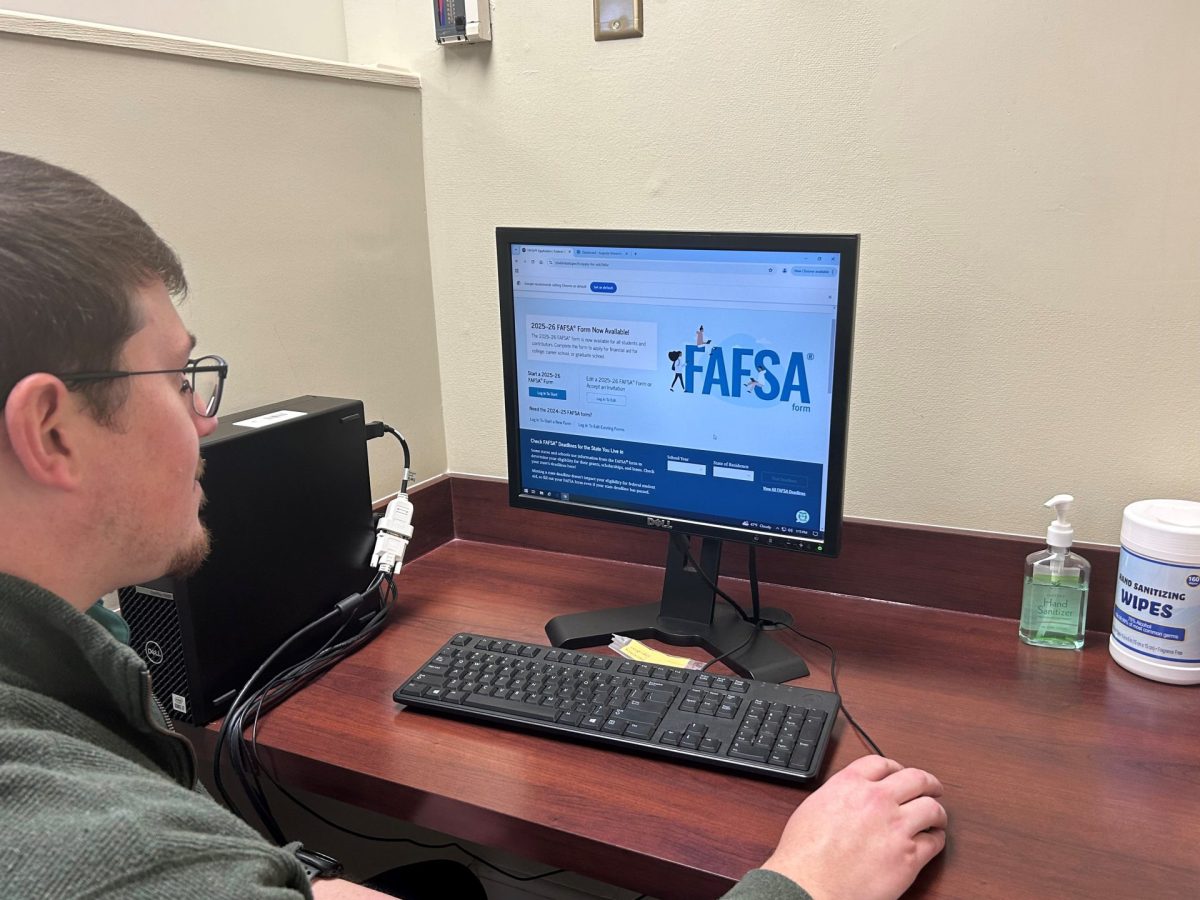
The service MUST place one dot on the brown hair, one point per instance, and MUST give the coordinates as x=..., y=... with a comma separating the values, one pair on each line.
x=71, y=257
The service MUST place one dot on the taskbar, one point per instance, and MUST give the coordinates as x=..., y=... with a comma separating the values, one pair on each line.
x=678, y=517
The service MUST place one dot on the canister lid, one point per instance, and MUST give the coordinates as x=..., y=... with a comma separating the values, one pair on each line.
x=1163, y=529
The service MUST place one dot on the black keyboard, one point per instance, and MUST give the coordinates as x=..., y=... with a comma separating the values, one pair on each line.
x=749, y=726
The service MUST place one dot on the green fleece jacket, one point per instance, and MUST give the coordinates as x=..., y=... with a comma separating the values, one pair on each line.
x=97, y=797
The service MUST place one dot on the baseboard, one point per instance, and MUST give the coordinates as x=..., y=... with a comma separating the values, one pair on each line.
x=968, y=571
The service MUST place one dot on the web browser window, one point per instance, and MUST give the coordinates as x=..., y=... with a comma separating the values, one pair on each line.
x=691, y=383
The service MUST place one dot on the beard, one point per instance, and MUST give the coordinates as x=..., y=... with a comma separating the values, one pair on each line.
x=187, y=560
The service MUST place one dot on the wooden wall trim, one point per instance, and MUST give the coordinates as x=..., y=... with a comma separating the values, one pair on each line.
x=943, y=568
x=55, y=28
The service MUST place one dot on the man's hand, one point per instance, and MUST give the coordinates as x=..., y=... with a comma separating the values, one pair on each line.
x=864, y=834
x=337, y=889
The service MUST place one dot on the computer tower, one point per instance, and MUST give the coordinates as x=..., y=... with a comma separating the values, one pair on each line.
x=289, y=511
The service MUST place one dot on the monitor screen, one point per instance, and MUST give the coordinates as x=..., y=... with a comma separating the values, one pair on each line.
x=693, y=382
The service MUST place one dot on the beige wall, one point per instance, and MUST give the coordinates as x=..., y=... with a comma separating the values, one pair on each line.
x=306, y=27
x=1024, y=176
x=296, y=202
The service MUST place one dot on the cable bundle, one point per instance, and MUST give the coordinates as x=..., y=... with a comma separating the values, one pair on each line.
x=250, y=703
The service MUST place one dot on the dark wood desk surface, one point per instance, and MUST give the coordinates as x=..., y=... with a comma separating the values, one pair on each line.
x=1065, y=775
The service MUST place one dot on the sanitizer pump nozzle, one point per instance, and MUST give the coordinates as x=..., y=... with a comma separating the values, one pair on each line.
x=1060, y=534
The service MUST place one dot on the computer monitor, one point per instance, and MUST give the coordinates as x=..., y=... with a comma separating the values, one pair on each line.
x=693, y=383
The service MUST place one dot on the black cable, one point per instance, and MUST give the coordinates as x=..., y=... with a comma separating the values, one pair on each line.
x=232, y=716
x=755, y=607
x=240, y=760
x=374, y=429
x=286, y=683
x=758, y=622
x=401, y=840
x=687, y=553
x=833, y=661
x=233, y=726
x=244, y=759
x=754, y=632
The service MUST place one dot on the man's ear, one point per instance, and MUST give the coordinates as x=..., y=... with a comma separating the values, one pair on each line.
x=42, y=423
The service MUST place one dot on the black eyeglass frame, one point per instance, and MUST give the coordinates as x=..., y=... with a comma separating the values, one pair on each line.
x=221, y=367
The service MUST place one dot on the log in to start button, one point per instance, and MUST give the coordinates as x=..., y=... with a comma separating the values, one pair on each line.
x=547, y=393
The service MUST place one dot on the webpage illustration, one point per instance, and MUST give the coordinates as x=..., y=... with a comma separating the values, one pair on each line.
x=691, y=384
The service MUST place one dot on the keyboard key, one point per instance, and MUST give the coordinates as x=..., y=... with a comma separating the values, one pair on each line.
x=413, y=689
x=670, y=737
x=756, y=752
x=637, y=715
x=811, y=730
x=801, y=756
x=710, y=745
x=495, y=704
x=639, y=730
x=656, y=709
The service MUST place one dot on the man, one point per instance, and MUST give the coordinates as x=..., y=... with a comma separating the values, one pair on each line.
x=99, y=487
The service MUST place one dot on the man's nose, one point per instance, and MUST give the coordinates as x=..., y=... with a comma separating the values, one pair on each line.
x=205, y=425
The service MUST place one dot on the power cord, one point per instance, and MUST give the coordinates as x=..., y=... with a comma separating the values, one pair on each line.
x=394, y=532
x=296, y=676
x=393, y=840
x=760, y=623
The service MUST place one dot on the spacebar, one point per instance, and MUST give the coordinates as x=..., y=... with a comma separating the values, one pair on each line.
x=529, y=711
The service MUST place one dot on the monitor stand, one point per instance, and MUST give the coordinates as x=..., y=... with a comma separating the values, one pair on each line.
x=688, y=616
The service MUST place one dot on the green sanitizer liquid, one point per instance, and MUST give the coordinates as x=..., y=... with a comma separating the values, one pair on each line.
x=1054, y=610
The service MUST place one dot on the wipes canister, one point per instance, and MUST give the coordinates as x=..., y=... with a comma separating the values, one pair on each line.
x=1156, y=616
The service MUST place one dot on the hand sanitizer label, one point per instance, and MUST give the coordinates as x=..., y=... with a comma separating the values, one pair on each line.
x=1157, y=609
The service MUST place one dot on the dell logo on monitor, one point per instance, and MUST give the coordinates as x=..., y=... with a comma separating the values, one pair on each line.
x=653, y=522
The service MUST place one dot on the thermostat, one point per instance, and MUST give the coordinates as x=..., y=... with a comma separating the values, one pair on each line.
x=456, y=21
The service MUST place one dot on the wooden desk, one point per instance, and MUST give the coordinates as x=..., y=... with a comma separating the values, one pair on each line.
x=1065, y=775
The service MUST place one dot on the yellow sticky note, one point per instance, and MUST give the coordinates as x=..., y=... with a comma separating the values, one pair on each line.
x=639, y=652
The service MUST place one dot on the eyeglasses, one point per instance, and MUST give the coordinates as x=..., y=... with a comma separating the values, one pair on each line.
x=204, y=379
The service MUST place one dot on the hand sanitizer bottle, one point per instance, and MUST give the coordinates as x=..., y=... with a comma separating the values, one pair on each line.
x=1054, y=604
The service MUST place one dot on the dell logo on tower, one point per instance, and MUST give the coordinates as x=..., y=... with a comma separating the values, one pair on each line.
x=154, y=653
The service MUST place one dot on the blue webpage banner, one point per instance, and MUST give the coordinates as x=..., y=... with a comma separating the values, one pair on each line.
x=749, y=491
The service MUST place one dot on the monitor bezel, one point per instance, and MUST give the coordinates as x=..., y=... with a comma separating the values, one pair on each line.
x=845, y=244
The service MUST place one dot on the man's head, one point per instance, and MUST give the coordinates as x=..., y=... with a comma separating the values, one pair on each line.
x=101, y=473
x=72, y=256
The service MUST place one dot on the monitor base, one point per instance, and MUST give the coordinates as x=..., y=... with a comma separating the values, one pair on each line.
x=763, y=658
